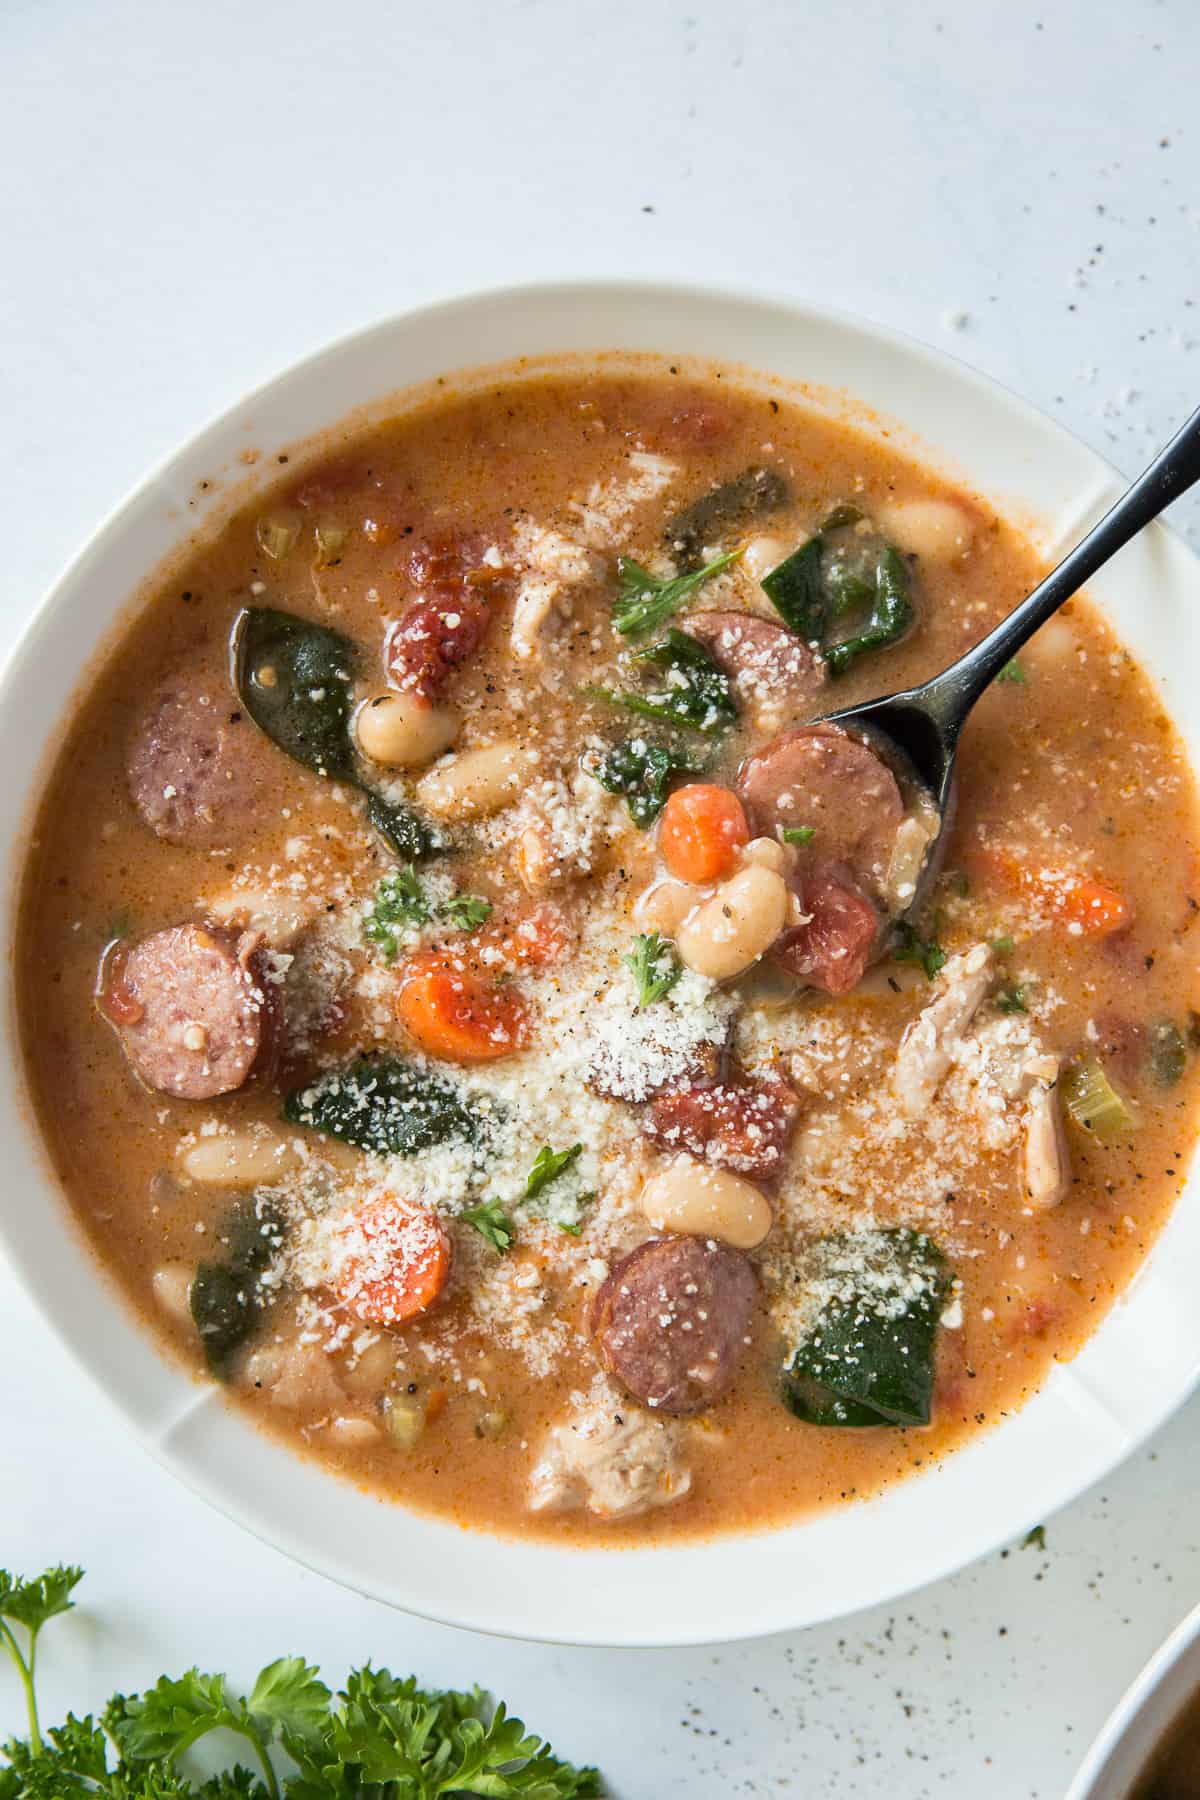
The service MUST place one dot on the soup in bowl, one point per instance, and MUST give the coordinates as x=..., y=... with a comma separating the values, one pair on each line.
x=488, y=1025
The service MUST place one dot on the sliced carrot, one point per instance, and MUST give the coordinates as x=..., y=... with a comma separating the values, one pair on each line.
x=394, y=1261
x=450, y=1013
x=1077, y=901
x=703, y=828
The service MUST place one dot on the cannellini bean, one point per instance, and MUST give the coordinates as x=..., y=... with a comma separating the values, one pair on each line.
x=281, y=918
x=241, y=1158
x=664, y=906
x=476, y=783
x=739, y=923
x=764, y=553
x=769, y=853
x=372, y=1371
x=537, y=865
x=704, y=1201
x=402, y=731
x=172, y=1288
x=353, y=1434
x=934, y=530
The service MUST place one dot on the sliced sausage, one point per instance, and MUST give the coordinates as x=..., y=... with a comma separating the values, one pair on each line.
x=189, y=773
x=821, y=777
x=671, y=1321
x=775, y=675
x=190, y=1011
x=445, y=625
x=745, y=1126
x=832, y=948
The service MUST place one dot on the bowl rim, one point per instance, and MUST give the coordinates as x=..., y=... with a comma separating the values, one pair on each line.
x=1147, y=1708
x=166, y=1418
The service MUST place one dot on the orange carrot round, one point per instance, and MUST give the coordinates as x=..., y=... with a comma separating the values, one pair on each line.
x=394, y=1261
x=450, y=1013
x=1086, y=906
x=703, y=828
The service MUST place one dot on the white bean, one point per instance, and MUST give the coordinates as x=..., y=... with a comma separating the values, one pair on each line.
x=733, y=929
x=403, y=732
x=477, y=783
x=353, y=1434
x=281, y=917
x=934, y=530
x=764, y=553
x=664, y=906
x=704, y=1201
x=769, y=853
x=172, y=1288
x=241, y=1158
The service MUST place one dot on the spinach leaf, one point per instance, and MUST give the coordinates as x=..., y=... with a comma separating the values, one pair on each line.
x=646, y=600
x=890, y=617
x=412, y=838
x=796, y=589
x=294, y=679
x=383, y=1104
x=869, y=1358
x=641, y=771
x=751, y=495
x=697, y=694
x=224, y=1296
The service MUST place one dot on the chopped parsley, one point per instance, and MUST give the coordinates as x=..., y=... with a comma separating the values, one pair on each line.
x=548, y=1165
x=492, y=1223
x=799, y=834
x=1012, y=671
x=654, y=967
x=1003, y=946
x=467, y=911
x=1035, y=1539
x=1011, y=999
x=646, y=601
x=401, y=904
x=927, y=954
x=641, y=771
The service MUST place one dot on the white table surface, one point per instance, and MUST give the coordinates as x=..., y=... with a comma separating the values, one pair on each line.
x=194, y=195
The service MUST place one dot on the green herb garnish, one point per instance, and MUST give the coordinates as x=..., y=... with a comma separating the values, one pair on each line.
x=1003, y=946
x=401, y=904
x=1012, y=671
x=799, y=834
x=1035, y=1539
x=467, y=911
x=908, y=947
x=383, y=1104
x=548, y=1165
x=381, y=1738
x=641, y=772
x=647, y=601
x=491, y=1222
x=1011, y=999
x=654, y=966
x=868, y=1360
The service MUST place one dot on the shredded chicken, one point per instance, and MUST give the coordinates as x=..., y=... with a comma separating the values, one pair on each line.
x=928, y=1046
x=552, y=565
x=609, y=1456
x=1046, y=1160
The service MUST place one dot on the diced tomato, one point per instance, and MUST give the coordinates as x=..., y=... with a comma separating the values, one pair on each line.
x=703, y=828
x=1085, y=906
x=433, y=637
x=452, y=1014
x=535, y=939
x=744, y=1126
x=394, y=1261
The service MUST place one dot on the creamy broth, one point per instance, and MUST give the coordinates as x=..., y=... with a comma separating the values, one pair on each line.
x=1068, y=874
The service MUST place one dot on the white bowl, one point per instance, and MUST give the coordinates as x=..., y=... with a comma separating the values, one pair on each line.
x=1139, y=1366
x=1142, y=1716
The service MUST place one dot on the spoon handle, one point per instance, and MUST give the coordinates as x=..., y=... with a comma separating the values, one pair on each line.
x=1171, y=473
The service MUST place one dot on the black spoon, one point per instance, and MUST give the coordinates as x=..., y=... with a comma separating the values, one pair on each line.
x=923, y=723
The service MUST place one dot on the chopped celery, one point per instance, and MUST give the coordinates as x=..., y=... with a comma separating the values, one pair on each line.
x=330, y=542
x=405, y=1420
x=1094, y=1103
x=1168, y=1052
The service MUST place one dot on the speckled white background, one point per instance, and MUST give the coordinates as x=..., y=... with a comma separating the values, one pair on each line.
x=190, y=197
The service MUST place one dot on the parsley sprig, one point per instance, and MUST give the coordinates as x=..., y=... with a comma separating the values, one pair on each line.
x=910, y=947
x=382, y=1736
x=646, y=601
x=654, y=967
x=492, y=1223
x=402, y=904
x=548, y=1165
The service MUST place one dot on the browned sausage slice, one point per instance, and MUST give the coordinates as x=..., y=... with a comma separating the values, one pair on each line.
x=821, y=777
x=832, y=948
x=671, y=1321
x=189, y=772
x=191, y=1015
x=742, y=1125
x=775, y=674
